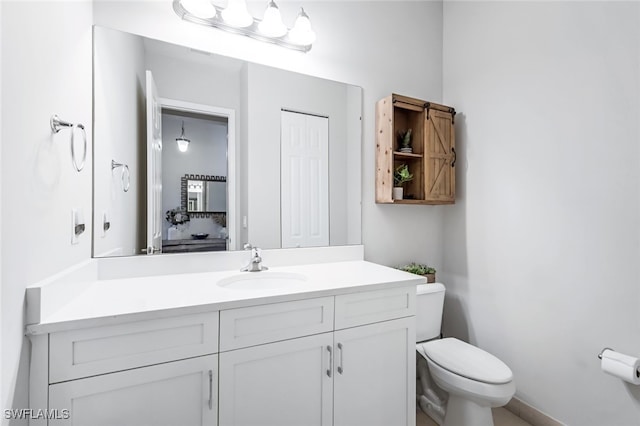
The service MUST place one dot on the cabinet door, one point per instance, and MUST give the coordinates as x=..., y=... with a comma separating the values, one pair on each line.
x=176, y=393
x=278, y=384
x=440, y=176
x=374, y=381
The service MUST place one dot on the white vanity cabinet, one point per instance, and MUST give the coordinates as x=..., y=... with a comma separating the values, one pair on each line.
x=338, y=360
x=175, y=393
x=374, y=374
x=278, y=384
x=155, y=372
x=363, y=374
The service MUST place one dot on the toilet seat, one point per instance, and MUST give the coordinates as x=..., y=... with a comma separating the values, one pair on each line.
x=467, y=361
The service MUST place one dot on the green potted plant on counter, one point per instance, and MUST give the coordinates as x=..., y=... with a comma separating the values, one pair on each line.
x=420, y=269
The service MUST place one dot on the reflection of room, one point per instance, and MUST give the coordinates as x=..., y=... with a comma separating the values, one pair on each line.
x=206, y=155
x=253, y=98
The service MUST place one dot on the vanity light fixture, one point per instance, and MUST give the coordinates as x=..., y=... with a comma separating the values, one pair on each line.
x=183, y=143
x=236, y=14
x=272, y=25
x=236, y=19
x=199, y=8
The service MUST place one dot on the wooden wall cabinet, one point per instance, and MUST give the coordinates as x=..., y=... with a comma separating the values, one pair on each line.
x=433, y=159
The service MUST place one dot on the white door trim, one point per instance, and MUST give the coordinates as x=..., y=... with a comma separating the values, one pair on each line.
x=230, y=115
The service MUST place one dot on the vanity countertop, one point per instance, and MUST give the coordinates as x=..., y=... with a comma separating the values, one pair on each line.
x=112, y=301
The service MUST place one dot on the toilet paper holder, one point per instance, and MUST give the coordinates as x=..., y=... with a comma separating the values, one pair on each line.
x=611, y=349
x=602, y=351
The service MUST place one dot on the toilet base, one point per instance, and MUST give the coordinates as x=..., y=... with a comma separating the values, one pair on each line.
x=462, y=411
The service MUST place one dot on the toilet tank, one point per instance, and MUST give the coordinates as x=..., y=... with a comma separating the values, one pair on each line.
x=429, y=304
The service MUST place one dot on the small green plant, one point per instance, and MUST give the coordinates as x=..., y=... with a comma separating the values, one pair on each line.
x=417, y=268
x=405, y=139
x=402, y=175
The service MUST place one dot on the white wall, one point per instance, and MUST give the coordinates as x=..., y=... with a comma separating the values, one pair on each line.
x=542, y=245
x=270, y=90
x=383, y=47
x=46, y=69
x=120, y=121
x=2, y=378
x=243, y=158
x=196, y=80
x=354, y=165
x=207, y=155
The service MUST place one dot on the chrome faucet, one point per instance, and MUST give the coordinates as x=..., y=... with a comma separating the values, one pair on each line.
x=255, y=264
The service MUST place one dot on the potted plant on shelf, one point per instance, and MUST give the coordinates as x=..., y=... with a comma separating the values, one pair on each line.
x=420, y=269
x=405, y=141
x=400, y=176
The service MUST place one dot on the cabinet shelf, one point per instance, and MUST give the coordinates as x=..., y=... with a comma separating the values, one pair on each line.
x=433, y=159
x=406, y=155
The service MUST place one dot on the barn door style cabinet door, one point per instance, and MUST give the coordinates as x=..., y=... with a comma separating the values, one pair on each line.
x=430, y=155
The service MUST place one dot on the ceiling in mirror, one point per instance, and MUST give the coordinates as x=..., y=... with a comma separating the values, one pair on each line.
x=281, y=150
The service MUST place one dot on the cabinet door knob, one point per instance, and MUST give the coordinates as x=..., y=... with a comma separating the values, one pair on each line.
x=340, y=369
x=330, y=361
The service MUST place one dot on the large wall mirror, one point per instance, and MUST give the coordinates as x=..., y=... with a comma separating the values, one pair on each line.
x=220, y=152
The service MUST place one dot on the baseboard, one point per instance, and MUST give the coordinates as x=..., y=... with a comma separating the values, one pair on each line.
x=530, y=414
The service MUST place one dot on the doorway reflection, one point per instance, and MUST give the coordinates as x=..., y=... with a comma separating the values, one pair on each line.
x=194, y=182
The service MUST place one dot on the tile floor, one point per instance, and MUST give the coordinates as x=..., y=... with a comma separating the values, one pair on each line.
x=501, y=417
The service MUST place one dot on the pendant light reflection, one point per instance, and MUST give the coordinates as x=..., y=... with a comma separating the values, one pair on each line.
x=183, y=143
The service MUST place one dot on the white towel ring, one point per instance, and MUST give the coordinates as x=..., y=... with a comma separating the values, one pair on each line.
x=57, y=124
x=125, y=176
x=126, y=182
x=77, y=166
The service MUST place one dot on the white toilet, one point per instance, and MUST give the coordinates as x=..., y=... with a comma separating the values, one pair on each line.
x=474, y=379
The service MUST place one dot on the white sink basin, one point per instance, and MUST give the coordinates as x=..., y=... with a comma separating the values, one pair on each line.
x=263, y=280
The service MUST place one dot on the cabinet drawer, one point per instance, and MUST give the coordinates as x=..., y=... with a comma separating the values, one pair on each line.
x=256, y=325
x=175, y=393
x=92, y=351
x=374, y=306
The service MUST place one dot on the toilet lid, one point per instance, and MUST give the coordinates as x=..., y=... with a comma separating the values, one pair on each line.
x=467, y=360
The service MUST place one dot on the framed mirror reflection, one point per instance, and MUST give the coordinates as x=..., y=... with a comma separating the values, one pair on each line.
x=204, y=194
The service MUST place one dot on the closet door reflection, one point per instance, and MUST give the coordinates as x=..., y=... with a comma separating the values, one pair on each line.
x=304, y=180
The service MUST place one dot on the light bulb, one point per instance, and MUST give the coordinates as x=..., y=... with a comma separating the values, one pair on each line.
x=301, y=33
x=236, y=14
x=183, y=144
x=199, y=8
x=271, y=24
